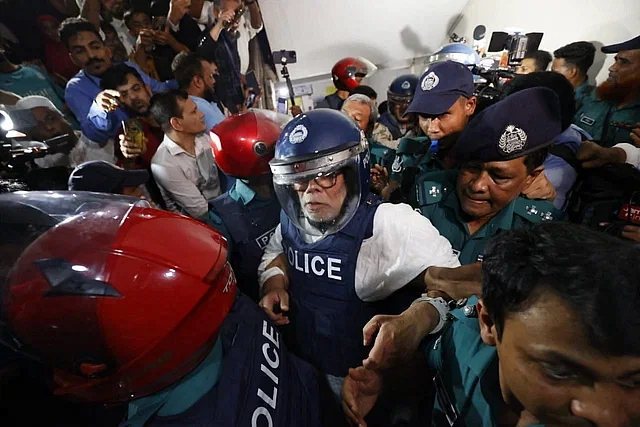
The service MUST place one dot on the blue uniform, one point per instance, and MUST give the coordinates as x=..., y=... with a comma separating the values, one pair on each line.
x=259, y=383
x=248, y=221
x=326, y=313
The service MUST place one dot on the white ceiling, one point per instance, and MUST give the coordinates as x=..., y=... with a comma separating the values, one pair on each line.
x=385, y=32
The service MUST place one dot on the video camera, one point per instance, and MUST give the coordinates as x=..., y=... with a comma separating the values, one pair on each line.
x=517, y=45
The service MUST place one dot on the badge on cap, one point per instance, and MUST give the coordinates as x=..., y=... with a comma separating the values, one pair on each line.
x=298, y=135
x=513, y=139
x=430, y=81
x=406, y=85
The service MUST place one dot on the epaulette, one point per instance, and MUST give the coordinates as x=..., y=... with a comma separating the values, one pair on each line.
x=435, y=185
x=536, y=211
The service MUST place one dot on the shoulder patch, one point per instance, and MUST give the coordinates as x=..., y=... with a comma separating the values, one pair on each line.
x=536, y=211
x=434, y=186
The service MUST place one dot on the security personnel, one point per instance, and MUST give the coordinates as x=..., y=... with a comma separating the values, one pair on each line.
x=613, y=108
x=444, y=103
x=249, y=212
x=347, y=74
x=536, y=349
x=337, y=248
x=393, y=124
x=501, y=153
x=92, y=289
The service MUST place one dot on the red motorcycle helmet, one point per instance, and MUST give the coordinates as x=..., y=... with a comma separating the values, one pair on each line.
x=120, y=299
x=244, y=144
x=349, y=72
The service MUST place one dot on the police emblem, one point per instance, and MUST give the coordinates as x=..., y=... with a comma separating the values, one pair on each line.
x=513, y=139
x=405, y=85
x=430, y=81
x=396, y=167
x=298, y=134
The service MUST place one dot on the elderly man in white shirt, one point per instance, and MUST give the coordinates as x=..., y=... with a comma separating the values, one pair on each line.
x=183, y=166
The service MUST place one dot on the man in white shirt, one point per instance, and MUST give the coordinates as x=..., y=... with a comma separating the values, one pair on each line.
x=342, y=250
x=183, y=166
x=113, y=13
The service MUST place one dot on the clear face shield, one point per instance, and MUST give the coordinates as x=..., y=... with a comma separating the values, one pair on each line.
x=320, y=196
x=398, y=105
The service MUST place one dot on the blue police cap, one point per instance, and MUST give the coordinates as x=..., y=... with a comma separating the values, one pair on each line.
x=628, y=45
x=514, y=127
x=103, y=177
x=440, y=86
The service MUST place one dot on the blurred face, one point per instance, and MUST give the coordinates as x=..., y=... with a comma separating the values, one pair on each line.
x=49, y=123
x=398, y=111
x=528, y=65
x=560, y=66
x=626, y=68
x=485, y=188
x=322, y=199
x=118, y=51
x=192, y=120
x=358, y=112
x=548, y=367
x=139, y=21
x=115, y=7
x=50, y=29
x=89, y=53
x=135, y=95
x=452, y=121
x=231, y=4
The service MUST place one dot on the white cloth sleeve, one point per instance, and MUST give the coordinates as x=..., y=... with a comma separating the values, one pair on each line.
x=633, y=153
x=271, y=252
x=403, y=245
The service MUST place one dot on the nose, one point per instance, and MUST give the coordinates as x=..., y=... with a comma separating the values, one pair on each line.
x=434, y=125
x=313, y=187
x=605, y=406
x=479, y=184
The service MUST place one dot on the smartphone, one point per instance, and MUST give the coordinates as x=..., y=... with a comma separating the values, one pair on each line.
x=285, y=56
x=134, y=130
x=252, y=83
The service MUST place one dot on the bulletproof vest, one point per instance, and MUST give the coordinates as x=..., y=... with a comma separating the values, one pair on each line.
x=250, y=231
x=610, y=194
x=387, y=119
x=326, y=314
x=261, y=384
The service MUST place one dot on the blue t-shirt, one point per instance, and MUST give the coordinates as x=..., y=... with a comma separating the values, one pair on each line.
x=32, y=81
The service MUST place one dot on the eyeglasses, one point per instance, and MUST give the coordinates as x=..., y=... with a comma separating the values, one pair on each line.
x=323, y=181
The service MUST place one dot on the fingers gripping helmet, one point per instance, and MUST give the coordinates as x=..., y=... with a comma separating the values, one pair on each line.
x=348, y=72
x=101, y=298
x=321, y=170
x=243, y=144
x=400, y=94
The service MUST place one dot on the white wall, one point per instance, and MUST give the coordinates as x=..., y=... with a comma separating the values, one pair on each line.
x=601, y=22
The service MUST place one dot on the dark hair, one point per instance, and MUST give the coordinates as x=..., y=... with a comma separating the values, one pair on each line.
x=365, y=90
x=383, y=107
x=117, y=76
x=578, y=54
x=541, y=57
x=186, y=66
x=128, y=15
x=597, y=275
x=536, y=159
x=159, y=8
x=554, y=81
x=72, y=26
x=164, y=106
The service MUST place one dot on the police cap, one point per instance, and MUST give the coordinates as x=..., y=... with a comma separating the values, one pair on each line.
x=628, y=45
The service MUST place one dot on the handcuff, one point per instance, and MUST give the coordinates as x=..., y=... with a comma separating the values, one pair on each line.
x=443, y=307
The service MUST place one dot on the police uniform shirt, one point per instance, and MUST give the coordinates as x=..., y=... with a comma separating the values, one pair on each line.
x=402, y=246
x=598, y=117
x=439, y=203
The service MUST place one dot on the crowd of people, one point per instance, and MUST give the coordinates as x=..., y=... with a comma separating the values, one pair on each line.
x=209, y=263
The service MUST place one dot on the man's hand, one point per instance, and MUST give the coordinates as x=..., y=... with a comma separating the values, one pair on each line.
x=108, y=100
x=593, y=155
x=145, y=38
x=163, y=38
x=271, y=300
x=130, y=149
x=379, y=178
x=398, y=336
x=456, y=283
x=360, y=391
x=541, y=189
x=631, y=232
x=226, y=16
x=635, y=135
x=177, y=10
x=295, y=110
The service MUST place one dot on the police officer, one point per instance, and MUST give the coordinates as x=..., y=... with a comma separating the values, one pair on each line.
x=337, y=250
x=394, y=123
x=138, y=306
x=347, y=74
x=249, y=212
x=536, y=349
x=501, y=153
x=444, y=103
x=613, y=108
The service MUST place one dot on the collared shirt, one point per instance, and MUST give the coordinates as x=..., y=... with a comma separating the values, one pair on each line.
x=84, y=151
x=186, y=182
x=128, y=41
x=583, y=91
x=439, y=203
x=560, y=173
x=95, y=123
x=597, y=117
x=402, y=246
x=212, y=114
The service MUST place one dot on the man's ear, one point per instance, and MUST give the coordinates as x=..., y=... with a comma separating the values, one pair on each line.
x=488, y=331
x=148, y=89
x=532, y=177
x=176, y=124
x=470, y=106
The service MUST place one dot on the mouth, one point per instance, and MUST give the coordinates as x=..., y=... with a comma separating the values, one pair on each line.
x=313, y=205
x=477, y=202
